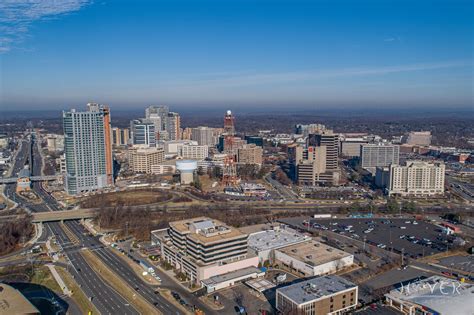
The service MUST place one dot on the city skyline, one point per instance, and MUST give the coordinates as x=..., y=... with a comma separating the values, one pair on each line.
x=317, y=55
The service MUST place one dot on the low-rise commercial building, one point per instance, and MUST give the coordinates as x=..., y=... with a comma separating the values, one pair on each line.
x=318, y=296
x=264, y=243
x=433, y=295
x=231, y=278
x=313, y=258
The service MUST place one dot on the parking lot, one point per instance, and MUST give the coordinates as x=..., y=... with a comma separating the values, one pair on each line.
x=462, y=263
x=415, y=238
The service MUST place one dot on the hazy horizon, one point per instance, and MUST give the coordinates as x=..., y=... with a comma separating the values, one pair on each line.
x=237, y=54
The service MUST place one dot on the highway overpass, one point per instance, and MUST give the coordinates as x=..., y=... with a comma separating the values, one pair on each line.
x=51, y=216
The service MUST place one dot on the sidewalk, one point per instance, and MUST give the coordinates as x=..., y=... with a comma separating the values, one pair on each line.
x=38, y=233
x=59, y=280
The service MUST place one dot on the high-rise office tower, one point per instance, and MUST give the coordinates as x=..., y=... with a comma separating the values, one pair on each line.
x=120, y=136
x=378, y=155
x=174, y=126
x=204, y=136
x=143, y=132
x=88, y=149
x=330, y=140
x=158, y=113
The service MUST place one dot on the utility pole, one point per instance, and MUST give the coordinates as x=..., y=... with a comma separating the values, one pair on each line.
x=403, y=255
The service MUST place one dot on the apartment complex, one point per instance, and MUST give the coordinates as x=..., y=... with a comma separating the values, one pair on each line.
x=202, y=248
x=141, y=159
x=120, y=136
x=88, y=149
x=250, y=154
x=378, y=155
x=193, y=152
x=318, y=296
x=415, y=178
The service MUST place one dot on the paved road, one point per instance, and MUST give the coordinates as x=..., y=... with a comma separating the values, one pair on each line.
x=122, y=269
x=168, y=283
x=106, y=299
x=285, y=192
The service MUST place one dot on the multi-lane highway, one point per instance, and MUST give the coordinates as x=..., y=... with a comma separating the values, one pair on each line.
x=105, y=298
x=122, y=269
x=28, y=153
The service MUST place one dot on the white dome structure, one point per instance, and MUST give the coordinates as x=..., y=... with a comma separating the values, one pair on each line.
x=186, y=169
x=229, y=112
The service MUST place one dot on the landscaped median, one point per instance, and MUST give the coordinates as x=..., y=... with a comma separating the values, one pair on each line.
x=135, y=299
x=77, y=294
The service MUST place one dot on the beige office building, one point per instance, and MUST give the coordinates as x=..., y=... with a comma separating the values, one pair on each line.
x=141, y=159
x=250, y=154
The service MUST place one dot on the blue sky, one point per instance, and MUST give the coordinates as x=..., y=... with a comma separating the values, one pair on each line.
x=266, y=54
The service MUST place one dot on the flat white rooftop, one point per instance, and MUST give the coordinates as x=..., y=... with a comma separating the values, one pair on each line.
x=260, y=284
x=316, y=288
x=272, y=239
x=244, y=272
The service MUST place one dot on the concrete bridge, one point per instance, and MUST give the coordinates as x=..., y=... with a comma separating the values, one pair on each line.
x=41, y=217
x=12, y=180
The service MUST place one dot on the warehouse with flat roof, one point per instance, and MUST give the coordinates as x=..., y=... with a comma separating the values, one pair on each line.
x=264, y=242
x=313, y=258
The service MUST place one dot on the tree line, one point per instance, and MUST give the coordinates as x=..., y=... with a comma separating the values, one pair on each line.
x=12, y=233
